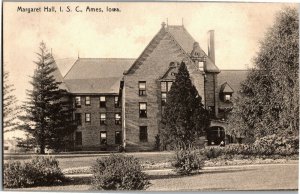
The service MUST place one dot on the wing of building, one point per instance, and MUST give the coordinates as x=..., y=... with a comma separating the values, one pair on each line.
x=121, y=101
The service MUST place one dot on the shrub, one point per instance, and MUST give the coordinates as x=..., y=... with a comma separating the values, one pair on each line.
x=39, y=171
x=188, y=161
x=212, y=152
x=118, y=172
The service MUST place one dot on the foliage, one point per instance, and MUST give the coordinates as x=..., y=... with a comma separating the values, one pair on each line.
x=118, y=172
x=10, y=108
x=184, y=118
x=39, y=171
x=48, y=116
x=270, y=94
x=266, y=146
x=212, y=152
x=188, y=161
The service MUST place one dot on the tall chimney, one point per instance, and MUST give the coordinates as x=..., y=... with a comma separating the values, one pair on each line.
x=211, y=45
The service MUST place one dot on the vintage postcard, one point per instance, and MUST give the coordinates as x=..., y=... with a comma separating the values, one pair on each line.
x=150, y=96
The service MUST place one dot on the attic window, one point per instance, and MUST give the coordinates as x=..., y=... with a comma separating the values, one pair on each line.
x=227, y=97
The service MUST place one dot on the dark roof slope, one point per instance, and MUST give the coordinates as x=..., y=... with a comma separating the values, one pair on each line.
x=109, y=85
x=233, y=78
x=89, y=68
x=96, y=75
x=186, y=41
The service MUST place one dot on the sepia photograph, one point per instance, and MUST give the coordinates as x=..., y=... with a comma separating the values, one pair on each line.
x=150, y=96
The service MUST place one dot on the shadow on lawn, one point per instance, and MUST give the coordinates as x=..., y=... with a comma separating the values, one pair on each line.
x=174, y=176
x=78, y=181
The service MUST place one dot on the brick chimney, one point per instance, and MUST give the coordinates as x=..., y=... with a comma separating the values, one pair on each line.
x=211, y=45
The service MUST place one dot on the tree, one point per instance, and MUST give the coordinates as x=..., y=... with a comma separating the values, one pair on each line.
x=184, y=118
x=269, y=97
x=48, y=117
x=10, y=108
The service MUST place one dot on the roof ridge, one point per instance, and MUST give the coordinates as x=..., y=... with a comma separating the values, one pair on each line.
x=143, y=52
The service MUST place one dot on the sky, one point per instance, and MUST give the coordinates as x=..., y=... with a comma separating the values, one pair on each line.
x=238, y=29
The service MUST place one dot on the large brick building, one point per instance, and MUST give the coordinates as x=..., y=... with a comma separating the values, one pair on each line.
x=120, y=101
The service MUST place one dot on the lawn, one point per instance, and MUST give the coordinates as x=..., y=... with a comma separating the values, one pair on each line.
x=83, y=160
x=251, y=177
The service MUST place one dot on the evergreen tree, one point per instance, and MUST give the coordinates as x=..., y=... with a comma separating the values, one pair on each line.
x=48, y=117
x=10, y=108
x=269, y=98
x=184, y=118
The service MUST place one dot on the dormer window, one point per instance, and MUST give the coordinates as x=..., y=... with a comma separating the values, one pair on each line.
x=227, y=97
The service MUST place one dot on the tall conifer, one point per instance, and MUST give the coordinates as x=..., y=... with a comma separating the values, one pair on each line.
x=48, y=117
x=184, y=118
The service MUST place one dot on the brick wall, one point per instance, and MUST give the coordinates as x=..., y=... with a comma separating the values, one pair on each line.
x=151, y=70
x=91, y=130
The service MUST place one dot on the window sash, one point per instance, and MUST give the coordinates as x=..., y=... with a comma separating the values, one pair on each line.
x=143, y=106
x=102, y=99
x=118, y=137
x=227, y=97
x=103, y=138
x=87, y=100
x=77, y=101
x=87, y=117
x=143, y=134
x=142, y=85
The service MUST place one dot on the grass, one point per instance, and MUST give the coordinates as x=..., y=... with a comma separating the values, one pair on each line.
x=263, y=177
x=83, y=160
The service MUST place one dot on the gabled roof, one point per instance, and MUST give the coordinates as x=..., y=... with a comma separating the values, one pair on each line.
x=233, y=78
x=89, y=68
x=96, y=75
x=109, y=85
x=183, y=39
x=65, y=64
x=186, y=41
x=58, y=77
x=225, y=88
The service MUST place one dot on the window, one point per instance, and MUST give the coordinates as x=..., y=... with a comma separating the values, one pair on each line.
x=143, y=134
x=87, y=101
x=103, y=138
x=78, y=118
x=116, y=102
x=227, y=97
x=163, y=98
x=166, y=86
x=142, y=88
x=102, y=118
x=87, y=117
x=77, y=101
x=102, y=101
x=143, y=109
x=118, y=137
x=6, y=147
x=118, y=119
x=78, y=138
